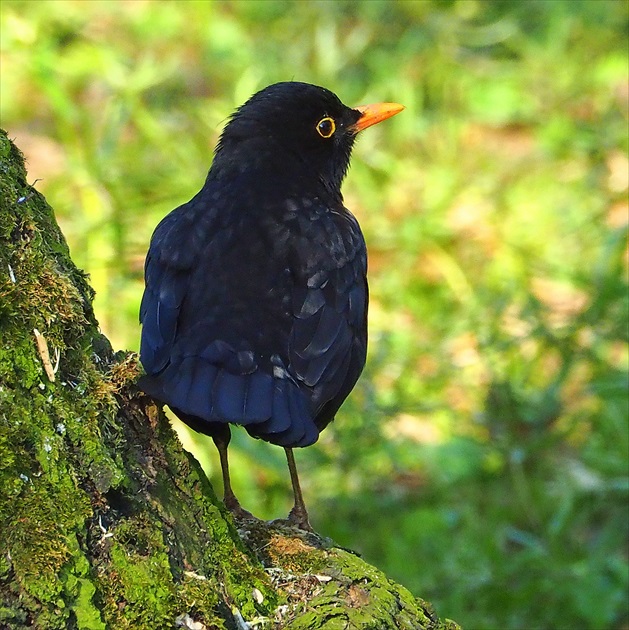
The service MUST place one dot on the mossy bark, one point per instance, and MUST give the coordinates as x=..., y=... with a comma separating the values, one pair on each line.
x=105, y=521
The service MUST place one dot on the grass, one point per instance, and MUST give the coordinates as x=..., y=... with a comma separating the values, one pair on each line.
x=483, y=459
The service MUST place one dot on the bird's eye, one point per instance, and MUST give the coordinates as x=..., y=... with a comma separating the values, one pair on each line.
x=326, y=127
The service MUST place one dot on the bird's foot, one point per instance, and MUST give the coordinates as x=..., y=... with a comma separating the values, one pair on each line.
x=238, y=512
x=299, y=518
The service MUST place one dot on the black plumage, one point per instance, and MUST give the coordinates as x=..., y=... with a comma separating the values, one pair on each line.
x=255, y=306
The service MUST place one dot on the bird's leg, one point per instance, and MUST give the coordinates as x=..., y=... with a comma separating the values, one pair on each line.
x=221, y=439
x=298, y=515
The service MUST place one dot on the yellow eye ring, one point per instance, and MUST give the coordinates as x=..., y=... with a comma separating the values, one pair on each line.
x=326, y=127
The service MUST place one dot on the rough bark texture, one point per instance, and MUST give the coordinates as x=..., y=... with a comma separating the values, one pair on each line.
x=105, y=521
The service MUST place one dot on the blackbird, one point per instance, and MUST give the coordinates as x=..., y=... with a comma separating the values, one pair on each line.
x=255, y=306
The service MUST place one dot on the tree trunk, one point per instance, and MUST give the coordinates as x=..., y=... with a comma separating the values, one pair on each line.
x=105, y=521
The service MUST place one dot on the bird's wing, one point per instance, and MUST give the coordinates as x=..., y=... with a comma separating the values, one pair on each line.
x=326, y=344
x=328, y=340
x=174, y=247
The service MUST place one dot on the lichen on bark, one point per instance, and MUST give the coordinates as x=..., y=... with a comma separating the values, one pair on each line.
x=105, y=521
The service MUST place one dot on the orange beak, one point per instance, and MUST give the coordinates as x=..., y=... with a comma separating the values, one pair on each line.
x=373, y=114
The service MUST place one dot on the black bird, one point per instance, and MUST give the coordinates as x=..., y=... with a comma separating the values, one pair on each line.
x=255, y=306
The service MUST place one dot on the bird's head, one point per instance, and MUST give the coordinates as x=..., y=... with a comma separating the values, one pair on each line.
x=296, y=131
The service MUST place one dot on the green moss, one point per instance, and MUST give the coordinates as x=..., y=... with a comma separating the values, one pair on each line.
x=138, y=586
x=87, y=615
x=327, y=587
x=199, y=598
x=80, y=590
x=50, y=432
x=183, y=491
x=40, y=508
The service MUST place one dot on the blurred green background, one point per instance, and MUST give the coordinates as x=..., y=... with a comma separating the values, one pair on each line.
x=483, y=458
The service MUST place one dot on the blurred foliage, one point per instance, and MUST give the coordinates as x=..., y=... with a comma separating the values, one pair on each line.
x=483, y=458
